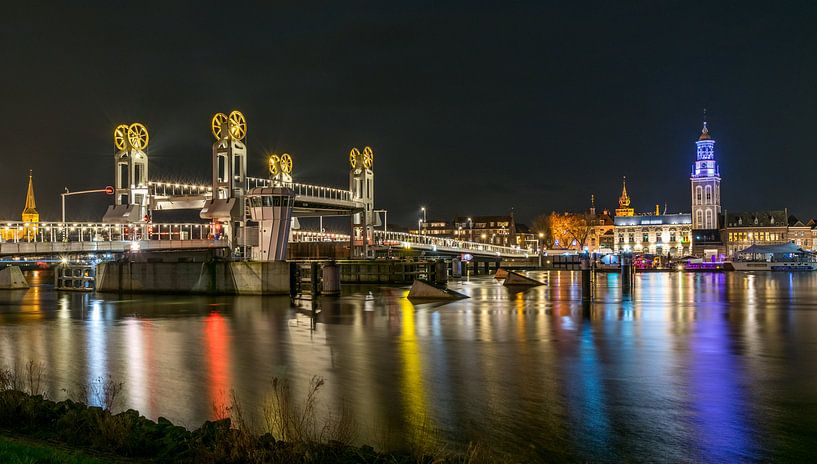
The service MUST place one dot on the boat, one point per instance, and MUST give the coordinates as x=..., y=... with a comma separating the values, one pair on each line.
x=779, y=257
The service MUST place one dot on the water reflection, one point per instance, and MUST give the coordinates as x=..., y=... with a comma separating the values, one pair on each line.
x=702, y=367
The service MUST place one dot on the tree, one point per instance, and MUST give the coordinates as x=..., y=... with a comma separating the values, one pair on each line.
x=570, y=230
x=579, y=227
x=541, y=225
x=559, y=229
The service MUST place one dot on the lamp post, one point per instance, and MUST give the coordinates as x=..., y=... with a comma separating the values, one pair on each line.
x=539, y=247
x=423, y=211
x=385, y=218
x=470, y=229
x=107, y=190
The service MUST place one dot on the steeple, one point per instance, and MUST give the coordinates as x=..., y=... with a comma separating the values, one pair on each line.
x=705, y=182
x=705, y=131
x=592, y=204
x=30, y=213
x=624, y=201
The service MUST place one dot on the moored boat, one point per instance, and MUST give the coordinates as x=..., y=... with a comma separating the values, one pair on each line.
x=780, y=257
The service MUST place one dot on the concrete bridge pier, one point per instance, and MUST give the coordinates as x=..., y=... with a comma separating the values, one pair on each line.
x=11, y=278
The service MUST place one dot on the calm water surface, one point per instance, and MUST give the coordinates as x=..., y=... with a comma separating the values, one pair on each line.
x=688, y=367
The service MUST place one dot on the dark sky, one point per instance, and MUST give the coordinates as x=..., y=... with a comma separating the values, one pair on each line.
x=471, y=107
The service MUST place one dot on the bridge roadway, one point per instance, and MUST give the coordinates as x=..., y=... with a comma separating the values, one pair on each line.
x=48, y=238
x=421, y=242
x=310, y=200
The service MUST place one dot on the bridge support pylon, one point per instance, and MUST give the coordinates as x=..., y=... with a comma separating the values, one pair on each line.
x=226, y=209
x=361, y=184
x=130, y=175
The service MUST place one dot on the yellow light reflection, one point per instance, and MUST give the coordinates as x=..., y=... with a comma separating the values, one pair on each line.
x=413, y=388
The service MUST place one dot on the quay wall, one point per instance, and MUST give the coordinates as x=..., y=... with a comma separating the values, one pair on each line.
x=214, y=278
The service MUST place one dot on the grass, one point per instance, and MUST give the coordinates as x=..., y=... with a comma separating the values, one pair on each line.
x=292, y=430
x=18, y=451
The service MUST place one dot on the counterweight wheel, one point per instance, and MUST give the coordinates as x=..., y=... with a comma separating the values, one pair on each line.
x=138, y=136
x=238, y=125
x=286, y=163
x=274, y=165
x=368, y=157
x=120, y=137
x=354, y=155
x=217, y=123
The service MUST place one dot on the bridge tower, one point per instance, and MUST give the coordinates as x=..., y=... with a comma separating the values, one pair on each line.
x=130, y=174
x=361, y=184
x=226, y=209
x=271, y=208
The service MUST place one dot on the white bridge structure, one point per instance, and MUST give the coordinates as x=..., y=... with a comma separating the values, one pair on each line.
x=55, y=238
x=248, y=215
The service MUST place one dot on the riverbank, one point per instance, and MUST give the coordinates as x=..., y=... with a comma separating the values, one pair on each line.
x=35, y=429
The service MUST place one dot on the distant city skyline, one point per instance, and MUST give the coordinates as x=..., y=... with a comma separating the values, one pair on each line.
x=470, y=109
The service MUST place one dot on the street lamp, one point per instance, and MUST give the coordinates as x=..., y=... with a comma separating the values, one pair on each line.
x=539, y=247
x=385, y=218
x=470, y=230
x=423, y=211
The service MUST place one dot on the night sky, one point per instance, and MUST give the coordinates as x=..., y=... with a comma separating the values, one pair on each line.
x=471, y=108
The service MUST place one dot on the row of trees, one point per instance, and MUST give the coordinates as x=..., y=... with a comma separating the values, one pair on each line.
x=563, y=230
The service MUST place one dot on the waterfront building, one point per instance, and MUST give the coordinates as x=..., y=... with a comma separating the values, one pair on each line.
x=436, y=228
x=800, y=233
x=705, y=181
x=744, y=229
x=602, y=230
x=659, y=234
x=496, y=230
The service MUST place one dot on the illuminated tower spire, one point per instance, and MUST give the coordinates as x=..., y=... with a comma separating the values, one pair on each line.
x=624, y=201
x=706, y=182
x=30, y=213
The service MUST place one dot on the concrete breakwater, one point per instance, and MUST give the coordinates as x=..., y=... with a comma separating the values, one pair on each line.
x=212, y=277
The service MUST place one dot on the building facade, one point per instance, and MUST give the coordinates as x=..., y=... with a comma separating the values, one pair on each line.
x=496, y=230
x=664, y=234
x=744, y=229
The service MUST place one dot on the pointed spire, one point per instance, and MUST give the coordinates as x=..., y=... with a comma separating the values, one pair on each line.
x=30, y=213
x=705, y=131
x=624, y=199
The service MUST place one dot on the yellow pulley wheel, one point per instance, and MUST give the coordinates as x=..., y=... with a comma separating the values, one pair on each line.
x=274, y=164
x=120, y=137
x=238, y=125
x=138, y=136
x=354, y=154
x=368, y=157
x=286, y=163
x=217, y=123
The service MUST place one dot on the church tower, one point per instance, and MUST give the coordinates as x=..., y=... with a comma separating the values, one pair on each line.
x=706, y=184
x=624, y=202
x=30, y=213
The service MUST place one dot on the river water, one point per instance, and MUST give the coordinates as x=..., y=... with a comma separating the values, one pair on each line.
x=687, y=367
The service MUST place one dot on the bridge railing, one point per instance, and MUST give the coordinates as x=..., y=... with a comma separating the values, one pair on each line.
x=173, y=189
x=405, y=240
x=307, y=190
x=448, y=243
x=23, y=232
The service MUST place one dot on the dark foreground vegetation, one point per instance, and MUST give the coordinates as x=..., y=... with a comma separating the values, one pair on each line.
x=293, y=433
